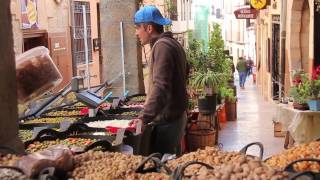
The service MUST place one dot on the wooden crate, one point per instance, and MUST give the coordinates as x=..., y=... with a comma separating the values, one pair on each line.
x=278, y=130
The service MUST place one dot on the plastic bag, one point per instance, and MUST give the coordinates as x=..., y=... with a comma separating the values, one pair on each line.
x=59, y=157
x=36, y=74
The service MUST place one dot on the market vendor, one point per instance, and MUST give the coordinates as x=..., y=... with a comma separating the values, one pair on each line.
x=166, y=101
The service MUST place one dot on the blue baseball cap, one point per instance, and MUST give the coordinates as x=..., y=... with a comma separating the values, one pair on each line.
x=149, y=14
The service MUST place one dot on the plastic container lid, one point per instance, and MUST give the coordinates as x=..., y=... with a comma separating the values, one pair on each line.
x=36, y=74
x=126, y=149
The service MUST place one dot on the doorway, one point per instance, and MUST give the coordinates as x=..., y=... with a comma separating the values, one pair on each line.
x=275, y=60
x=34, y=38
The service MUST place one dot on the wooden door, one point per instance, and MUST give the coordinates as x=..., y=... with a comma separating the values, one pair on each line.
x=60, y=52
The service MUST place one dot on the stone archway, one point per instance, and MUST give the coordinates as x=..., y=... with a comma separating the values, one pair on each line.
x=304, y=36
x=298, y=39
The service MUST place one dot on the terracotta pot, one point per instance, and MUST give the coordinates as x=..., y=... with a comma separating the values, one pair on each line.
x=222, y=114
x=302, y=107
x=231, y=110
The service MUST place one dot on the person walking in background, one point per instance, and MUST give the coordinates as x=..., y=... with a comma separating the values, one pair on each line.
x=249, y=63
x=242, y=70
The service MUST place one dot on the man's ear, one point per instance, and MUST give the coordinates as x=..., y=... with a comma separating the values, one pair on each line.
x=149, y=28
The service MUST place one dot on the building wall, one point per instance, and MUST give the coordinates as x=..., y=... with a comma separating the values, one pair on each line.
x=56, y=19
x=237, y=34
x=299, y=42
x=95, y=65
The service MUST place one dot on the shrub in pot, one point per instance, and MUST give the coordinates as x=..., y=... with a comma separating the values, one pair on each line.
x=301, y=90
x=230, y=101
x=314, y=100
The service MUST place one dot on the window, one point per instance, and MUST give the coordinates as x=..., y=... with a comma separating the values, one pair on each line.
x=78, y=47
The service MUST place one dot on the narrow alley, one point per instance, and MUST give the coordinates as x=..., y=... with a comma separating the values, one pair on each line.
x=254, y=124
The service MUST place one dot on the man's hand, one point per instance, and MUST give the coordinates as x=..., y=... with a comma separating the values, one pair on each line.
x=134, y=123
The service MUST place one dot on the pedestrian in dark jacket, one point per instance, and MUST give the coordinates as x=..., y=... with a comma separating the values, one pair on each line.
x=242, y=70
x=249, y=63
x=166, y=101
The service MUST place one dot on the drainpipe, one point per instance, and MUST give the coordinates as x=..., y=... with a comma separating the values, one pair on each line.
x=283, y=24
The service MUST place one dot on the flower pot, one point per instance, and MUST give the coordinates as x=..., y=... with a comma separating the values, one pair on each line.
x=221, y=113
x=302, y=107
x=231, y=110
x=207, y=105
x=314, y=105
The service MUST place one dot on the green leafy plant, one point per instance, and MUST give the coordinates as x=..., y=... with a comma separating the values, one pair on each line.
x=301, y=89
x=315, y=84
x=202, y=80
x=228, y=94
x=209, y=69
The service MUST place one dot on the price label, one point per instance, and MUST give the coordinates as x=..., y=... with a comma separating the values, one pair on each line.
x=138, y=127
x=64, y=125
x=119, y=137
x=36, y=130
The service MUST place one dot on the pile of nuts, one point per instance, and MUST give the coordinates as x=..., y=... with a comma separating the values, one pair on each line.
x=210, y=155
x=138, y=99
x=97, y=165
x=9, y=174
x=309, y=150
x=8, y=159
x=79, y=142
x=25, y=135
x=242, y=167
x=63, y=113
x=49, y=120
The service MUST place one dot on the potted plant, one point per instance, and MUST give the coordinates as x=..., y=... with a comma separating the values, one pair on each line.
x=206, y=85
x=314, y=101
x=209, y=69
x=301, y=90
x=230, y=101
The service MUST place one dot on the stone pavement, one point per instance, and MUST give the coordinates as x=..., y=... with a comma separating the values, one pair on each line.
x=254, y=124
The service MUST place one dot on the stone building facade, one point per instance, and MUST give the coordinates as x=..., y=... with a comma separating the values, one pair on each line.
x=56, y=30
x=285, y=42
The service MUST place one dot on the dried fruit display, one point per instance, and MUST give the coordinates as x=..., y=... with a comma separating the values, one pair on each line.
x=8, y=160
x=63, y=113
x=242, y=167
x=49, y=120
x=130, y=113
x=309, y=150
x=210, y=155
x=148, y=176
x=78, y=142
x=97, y=165
x=138, y=99
x=79, y=104
x=25, y=135
x=9, y=174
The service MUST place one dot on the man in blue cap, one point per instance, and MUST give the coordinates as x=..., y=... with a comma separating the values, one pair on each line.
x=166, y=102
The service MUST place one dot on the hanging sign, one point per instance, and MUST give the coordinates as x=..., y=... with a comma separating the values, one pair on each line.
x=259, y=4
x=29, y=14
x=246, y=13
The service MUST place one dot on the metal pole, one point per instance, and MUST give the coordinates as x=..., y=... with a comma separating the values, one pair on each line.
x=283, y=24
x=85, y=36
x=122, y=59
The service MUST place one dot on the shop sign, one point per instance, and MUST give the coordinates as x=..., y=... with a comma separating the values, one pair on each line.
x=259, y=4
x=29, y=14
x=246, y=13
